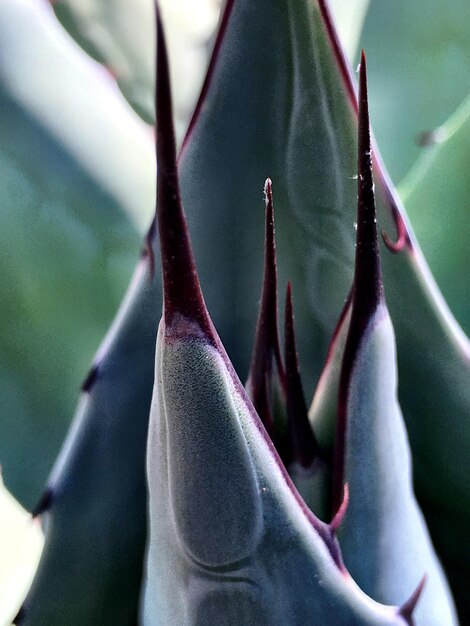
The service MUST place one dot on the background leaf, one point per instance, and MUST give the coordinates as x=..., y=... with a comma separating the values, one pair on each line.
x=21, y=543
x=437, y=195
x=71, y=201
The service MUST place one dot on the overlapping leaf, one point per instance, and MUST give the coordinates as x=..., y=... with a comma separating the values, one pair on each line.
x=300, y=128
x=225, y=519
x=385, y=541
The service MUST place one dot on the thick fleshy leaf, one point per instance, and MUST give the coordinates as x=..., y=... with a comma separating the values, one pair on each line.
x=300, y=127
x=385, y=541
x=304, y=459
x=96, y=495
x=225, y=519
x=68, y=229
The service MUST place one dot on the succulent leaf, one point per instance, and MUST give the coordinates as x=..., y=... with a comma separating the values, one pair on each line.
x=96, y=494
x=301, y=129
x=225, y=519
x=303, y=458
x=266, y=383
x=385, y=542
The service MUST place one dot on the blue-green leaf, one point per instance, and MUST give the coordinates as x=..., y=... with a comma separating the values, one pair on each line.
x=225, y=519
x=385, y=541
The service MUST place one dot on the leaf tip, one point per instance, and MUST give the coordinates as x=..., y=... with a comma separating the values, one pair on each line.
x=367, y=271
x=182, y=294
x=266, y=345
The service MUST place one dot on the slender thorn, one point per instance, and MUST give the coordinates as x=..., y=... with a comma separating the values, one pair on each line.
x=406, y=610
x=367, y=288
x=402, y=236
x=182, y=292
x=266, y=346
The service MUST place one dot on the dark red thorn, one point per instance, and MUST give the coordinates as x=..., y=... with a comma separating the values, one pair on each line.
x=406, y=610
x=90, y=379
x=341, y=512
x=303, y=447
x=183, y=300
x=267, y=346
x=44, y=504
x=402, y=236
x=367, y=287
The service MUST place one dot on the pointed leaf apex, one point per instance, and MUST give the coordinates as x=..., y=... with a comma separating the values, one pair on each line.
x=182, y=293
x=266, y=345
x=303, y=447
x=406, y=610
x=341, y=512
x=367, y=279
x=367, y=292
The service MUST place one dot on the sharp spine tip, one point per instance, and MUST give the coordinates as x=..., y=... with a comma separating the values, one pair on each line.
x=367, y=278
x=367, y=292
x=407, y=609
x=266, y=345
x=181, y=288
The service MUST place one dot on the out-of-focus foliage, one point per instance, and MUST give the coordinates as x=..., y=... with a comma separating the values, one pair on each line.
x=72, y=155
x=120, y=35
x=437, y=195
x=21, y=542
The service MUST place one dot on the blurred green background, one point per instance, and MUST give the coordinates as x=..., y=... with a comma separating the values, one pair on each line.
x=77, y=174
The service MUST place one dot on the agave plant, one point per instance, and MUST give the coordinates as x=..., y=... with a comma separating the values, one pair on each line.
x=251, y=508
